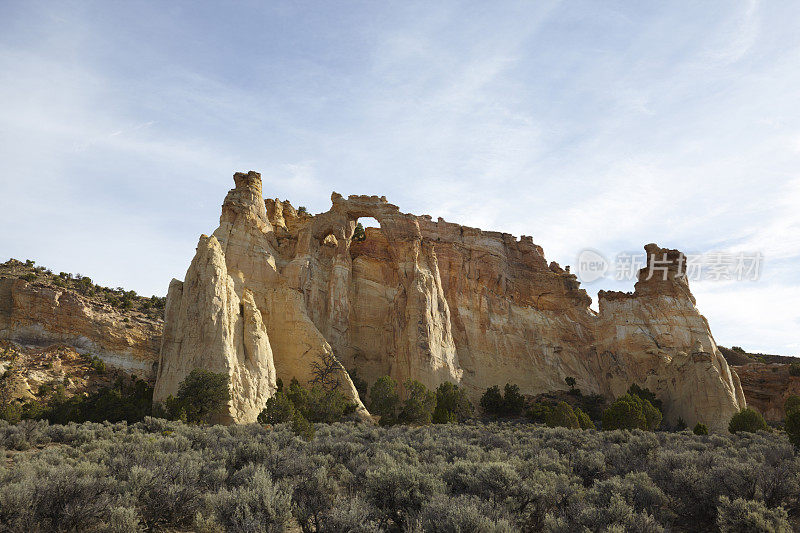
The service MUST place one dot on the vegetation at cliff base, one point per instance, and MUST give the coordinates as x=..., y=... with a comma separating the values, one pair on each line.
x=508, y=404
x=748, y=420
x=792, y=412
x=631, y=412
x=128, y=399
x=201, y=395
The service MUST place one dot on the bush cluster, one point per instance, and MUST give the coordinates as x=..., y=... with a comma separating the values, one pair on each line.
x=303, y=407
x=508, y=404
x=448, y=404
x=631, y=411
x=201, y=395
x=500, y=476
x=748, y=420
x=792, y=410
x=128, y=399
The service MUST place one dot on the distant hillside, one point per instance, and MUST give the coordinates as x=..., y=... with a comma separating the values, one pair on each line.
x=64, y=338
x=119, y=298
x=737, y=356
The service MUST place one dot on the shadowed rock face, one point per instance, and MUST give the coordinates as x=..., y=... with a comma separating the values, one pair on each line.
x=767, y=387
x=427, y=300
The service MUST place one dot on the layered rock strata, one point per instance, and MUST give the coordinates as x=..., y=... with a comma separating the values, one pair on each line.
x=39, y=314
x=767, y=386
x=426, y=300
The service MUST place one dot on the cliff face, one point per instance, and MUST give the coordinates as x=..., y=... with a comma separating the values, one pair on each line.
x=40, y=314
x=767, y=386
x=235, y=313
x=428, y=300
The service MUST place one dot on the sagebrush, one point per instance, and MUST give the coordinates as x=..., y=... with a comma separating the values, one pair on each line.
x=503, y=476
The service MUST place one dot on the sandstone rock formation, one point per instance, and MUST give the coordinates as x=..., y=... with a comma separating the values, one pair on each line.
x=39, y=314
x=767, y=386
x=655, y=337
x=428, y=300
x=30, y=371
x=235, y=313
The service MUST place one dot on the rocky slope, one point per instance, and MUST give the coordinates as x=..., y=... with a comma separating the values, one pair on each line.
x=39, y=308
x=273, y=290
x=31, y=372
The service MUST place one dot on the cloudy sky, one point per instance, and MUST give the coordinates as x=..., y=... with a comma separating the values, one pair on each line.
x=602, y=125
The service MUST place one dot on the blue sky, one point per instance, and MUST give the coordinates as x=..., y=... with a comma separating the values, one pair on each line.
x=584, y=124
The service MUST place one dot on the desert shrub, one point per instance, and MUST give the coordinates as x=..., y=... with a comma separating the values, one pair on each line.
x=161, y=475
x=279, y=409
x=259, y=505
x=384, y=400
x=747, y=419
x=794, y=368
x=583, y=419
x=562, y=415
x=350, y=515
x=124, y=520
x=700, y=429
x=418, y=407
x=461, y=514
x=792, y=403
x=615, y=516
x=57, y=497
x=452, y=404
x=496, y=481
x=792, y=426
x=400, y=492
x=743, y=516
x=164, y=485
x=30, y=276
x=631, y=412
x=313, y=496
x=302, y=427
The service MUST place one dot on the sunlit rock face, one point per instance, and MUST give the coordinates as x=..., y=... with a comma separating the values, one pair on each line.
x=235, y=313
x=40, y=314
x=273, y=290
